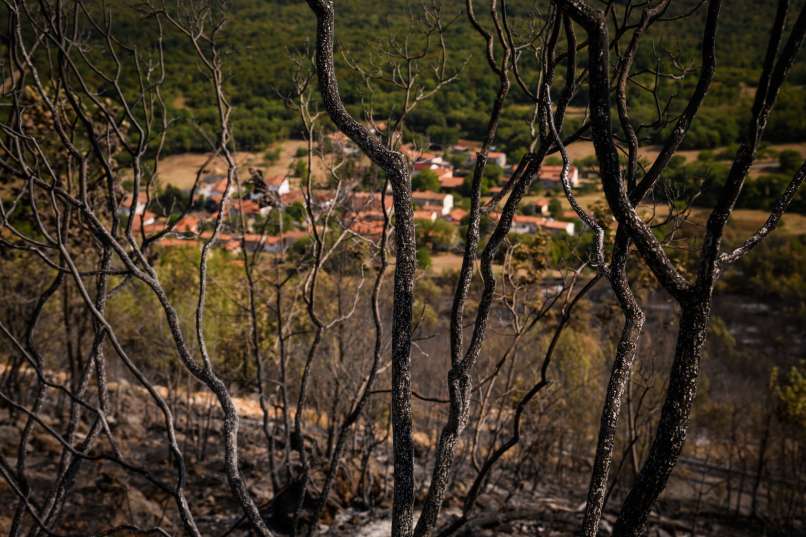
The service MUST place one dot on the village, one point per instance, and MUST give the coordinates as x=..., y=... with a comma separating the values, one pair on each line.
x=440, y=178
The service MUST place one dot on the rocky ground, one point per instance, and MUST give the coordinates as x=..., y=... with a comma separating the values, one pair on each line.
x=105, y=495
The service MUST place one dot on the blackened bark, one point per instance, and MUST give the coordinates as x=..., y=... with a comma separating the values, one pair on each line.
x=671, y=432
x=396, y=169
x=615, y=188
x=619, y=377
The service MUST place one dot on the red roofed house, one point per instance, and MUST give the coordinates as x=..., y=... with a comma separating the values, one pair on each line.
x=427, y=214
x=415, y=154
x=444, y=173
x=341, y=142
x=457, y=215
x=570, y=215
x=549, y=176
x=542, y=206
x=187, y=224
x=497, y=157
x=145, y=218
x=214, y=189
x=368, y=223
x=367, y=201
x=278, y=184
x=530, y=224
x=462, y=146
x=451, y=183
x=128, y=200
x=250, y=209
x=233, y=246
x=367, y=228
x=522, y=223
x=443, y=201
x=440, y=171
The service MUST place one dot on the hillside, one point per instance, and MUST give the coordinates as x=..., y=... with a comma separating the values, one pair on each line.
x=265, y=41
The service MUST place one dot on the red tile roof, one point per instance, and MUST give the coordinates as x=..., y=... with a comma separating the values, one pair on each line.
x=451, y=182
x=457, y=214
x=429, y=196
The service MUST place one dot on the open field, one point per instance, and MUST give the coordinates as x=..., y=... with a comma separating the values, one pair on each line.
x=180, y=170
x=583, y=149
x=447, y=262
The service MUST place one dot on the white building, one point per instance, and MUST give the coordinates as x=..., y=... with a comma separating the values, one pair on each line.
x=443, y=201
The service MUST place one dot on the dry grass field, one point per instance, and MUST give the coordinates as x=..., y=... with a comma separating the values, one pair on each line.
x=180, y=170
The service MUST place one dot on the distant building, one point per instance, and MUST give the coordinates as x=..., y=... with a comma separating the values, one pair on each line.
x=415, y=154
x=249, y=208
x=542, y=206
x=497, y=157
x=342, y=143
x=451, y=182
x=457, y=215
x=129, y=200
x=214, y=189
x=188, y=224
x=366, y=223
x=428, y=213
x=443, y=171
x=549, y=176
x=532, y=224
x=367, y=201
x=466, y=146
x=278, y=184
x=443, y=201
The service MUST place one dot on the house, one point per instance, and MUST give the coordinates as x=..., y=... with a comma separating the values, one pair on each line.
x=249, y=208
x=342, y=143
x=451, y=182
x=253, y=241
x=427, y=213
x=466, y=146
x=129, y=200
x=368, y=223
x=278, y=184
x=144, y=219
x=549, y=176
x=472, y=147
x=522, y=223
x=320, y=199
x=431, y=162
x=214, y=189
x=438, y=169
x=443, y=171
x=220, y=238
x=569, y=215
x=188, y=224
x=443, y=201
x=558, y=227
x=542, y=206
x=493, y=157
x=415, y=154
x=497, y=157
x=276, y=244
x=456, y=215
x=367, y=201
x=367, y=228
x=205, y=187
x=531, y=224
x=232, y=246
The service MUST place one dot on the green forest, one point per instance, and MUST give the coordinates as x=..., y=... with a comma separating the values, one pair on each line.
x=264, y=43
